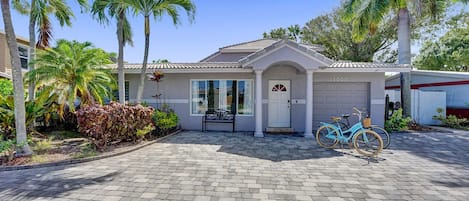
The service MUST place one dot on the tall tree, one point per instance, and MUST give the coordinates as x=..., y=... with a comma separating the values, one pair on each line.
x=103, y=10
x=336, y=37
x=39, y=11
x=450, y=52
x=367, y=15
x=17, y=76
x=74, y=71
x=157, y=8
x=292, y=32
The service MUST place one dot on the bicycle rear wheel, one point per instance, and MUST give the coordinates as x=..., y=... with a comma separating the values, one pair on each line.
x=368, y=143
x=326, y=136
x=383, y=134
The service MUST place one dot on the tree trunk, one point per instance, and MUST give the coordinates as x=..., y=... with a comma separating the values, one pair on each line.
x=145, y=60
x=120, y=58
x=32, y=50
x=17, y=76
x=403, y=37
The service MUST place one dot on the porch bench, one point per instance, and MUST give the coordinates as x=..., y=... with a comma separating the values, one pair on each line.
x=218, y=116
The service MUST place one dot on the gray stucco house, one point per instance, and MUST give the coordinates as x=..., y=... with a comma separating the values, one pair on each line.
x=270, y=84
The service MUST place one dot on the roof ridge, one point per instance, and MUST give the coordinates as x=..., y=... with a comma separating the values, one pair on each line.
x=242, y=43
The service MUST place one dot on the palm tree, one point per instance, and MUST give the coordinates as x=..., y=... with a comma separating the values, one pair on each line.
x=20, y=114
x=366, y=16
x=101, y=9
x=157, y=8
x=39, y=11
x=75, y=71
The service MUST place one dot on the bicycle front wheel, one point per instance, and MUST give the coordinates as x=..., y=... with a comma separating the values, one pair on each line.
x=368, y=143
x=383, y=134
x=326, y=136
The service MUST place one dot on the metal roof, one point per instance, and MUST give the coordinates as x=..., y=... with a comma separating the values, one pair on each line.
x=342, y=64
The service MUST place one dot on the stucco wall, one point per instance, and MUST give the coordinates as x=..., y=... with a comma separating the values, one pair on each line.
x=176, y=92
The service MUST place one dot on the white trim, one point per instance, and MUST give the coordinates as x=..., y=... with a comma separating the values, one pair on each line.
x=309, y=105
x=190, y=95
x=258, y=104
x=362, y=70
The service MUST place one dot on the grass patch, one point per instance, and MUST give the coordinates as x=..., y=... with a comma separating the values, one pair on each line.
x=86, y=150
x=42, y=146
x=38, y=159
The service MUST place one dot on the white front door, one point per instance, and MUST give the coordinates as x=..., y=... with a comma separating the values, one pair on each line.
x=279, y=103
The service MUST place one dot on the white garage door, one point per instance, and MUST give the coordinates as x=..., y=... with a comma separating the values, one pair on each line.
x=334, y=99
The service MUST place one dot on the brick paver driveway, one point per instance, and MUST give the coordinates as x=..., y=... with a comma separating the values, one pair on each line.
x=226, y=166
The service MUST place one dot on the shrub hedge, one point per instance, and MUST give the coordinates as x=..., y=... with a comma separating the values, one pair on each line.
x=113, y=122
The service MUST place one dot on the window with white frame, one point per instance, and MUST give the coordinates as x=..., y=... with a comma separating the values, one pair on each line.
x=24, y=56
x=232, y=95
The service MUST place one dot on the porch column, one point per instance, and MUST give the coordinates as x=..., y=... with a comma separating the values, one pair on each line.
x=309, y=105
x=258, y=132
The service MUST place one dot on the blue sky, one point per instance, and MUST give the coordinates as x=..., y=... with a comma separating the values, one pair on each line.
x=217, y=23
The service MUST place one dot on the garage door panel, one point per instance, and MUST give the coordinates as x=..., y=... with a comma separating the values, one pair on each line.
x=332, y=99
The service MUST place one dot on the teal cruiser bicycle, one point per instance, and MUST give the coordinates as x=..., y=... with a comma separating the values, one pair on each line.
x=365, y=141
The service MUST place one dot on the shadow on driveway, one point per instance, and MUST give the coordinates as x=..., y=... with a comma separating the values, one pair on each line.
x=272, y=147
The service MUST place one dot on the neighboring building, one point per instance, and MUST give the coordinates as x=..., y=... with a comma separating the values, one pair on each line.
x=454, y=84
x=268, y=84
x=5, y=62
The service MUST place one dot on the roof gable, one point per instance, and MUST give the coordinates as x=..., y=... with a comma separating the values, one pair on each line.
x=286, y=50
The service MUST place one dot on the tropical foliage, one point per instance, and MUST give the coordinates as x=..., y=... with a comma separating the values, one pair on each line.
x=450, y=52
x=336, y=37
x=6, y=87
x=75, y=72
x=367, y=15
x=157, y=9
x=17, y=77
x=103, y=10
x=41, y=107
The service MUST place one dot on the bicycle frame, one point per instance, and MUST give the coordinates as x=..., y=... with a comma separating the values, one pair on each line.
x=342, y=138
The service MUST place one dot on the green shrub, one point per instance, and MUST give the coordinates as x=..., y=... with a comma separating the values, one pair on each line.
x=6, y=87
x=451, y=121
x=7, y=150
x=397, y=122
x=142, y=132
x=165, y=119
x=113, y=122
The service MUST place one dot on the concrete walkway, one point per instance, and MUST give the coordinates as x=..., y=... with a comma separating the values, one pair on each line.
x=226, y=166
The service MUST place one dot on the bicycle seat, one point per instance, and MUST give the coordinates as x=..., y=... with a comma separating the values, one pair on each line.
x=334, y=118
x=346, y=116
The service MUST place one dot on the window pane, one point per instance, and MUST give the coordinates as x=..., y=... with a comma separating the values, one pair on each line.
x=245, y=97
x=23, y=52
x=199, y=97
x=213, y=95
x=24, y=63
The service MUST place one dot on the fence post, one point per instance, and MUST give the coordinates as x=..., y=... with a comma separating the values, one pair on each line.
x=386, y=107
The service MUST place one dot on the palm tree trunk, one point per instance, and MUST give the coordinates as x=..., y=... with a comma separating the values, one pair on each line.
x=145, y=60
x=403, y=37
x=120, y=58
x=20, y=113
x=32, y=48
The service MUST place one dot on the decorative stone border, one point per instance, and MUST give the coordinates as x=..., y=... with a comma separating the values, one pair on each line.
x=82, y=160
